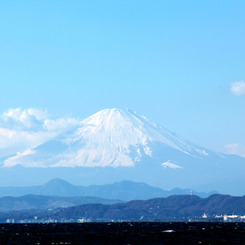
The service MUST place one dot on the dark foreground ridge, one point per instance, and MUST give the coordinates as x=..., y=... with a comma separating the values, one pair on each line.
x=173, y=208
x=124, y=233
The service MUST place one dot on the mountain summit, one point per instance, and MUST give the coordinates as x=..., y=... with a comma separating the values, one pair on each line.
x=111, y=137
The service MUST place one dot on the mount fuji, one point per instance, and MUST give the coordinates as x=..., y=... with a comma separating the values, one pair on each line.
x=115, y=145
x=111, y=137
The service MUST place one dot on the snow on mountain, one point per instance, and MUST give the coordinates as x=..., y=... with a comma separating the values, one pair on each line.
x=111, y=137
x=115, y=145
x=169, y=164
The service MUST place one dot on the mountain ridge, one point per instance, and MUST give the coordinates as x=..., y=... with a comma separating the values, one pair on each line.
x=26, y=202
x=158, y=209
x=124, y=190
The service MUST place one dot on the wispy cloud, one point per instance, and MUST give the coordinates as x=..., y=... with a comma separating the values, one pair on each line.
x=237, y=88
x=236, y=149
x=21, y=129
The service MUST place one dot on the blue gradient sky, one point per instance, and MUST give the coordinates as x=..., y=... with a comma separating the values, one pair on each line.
x=172, y=61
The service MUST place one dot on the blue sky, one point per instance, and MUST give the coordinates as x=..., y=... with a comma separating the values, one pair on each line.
x=172, y=61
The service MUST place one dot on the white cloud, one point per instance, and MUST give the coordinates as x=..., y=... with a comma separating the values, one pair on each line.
x=21, y=129
x=238, y=88
x=236, y=149
x=59, y=124
x=23, y=118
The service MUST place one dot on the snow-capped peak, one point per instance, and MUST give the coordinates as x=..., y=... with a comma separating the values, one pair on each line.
x=125, y=128
x=110, y=137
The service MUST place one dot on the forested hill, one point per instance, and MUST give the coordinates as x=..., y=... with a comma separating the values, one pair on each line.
x=154, y=209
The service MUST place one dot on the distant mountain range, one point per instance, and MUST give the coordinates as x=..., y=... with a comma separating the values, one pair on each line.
x=173, y=207
x=124, y=190
x=114, y=145
x=47, y=202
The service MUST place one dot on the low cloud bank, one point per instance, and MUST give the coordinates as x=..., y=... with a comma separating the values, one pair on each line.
x=238, y=88
x=21, y=129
